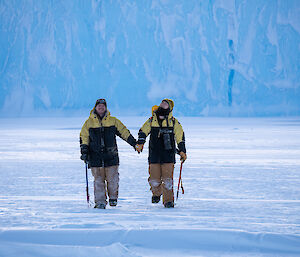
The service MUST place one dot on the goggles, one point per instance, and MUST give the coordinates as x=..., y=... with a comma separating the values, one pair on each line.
x=100, y=101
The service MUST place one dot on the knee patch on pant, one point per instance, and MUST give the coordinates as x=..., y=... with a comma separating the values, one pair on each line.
x=154, y=183
x=168, y=183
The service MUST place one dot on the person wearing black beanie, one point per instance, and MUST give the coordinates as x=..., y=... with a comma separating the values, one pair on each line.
x=99, y=149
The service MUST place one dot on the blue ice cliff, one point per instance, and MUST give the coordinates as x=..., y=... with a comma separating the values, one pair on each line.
x=220, y=58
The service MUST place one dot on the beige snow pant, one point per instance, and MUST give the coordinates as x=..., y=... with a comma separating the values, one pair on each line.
x=161, y=180
x=105, y=179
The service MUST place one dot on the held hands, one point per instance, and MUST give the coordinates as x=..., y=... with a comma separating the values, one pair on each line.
x=183, y=157
x=139, y=147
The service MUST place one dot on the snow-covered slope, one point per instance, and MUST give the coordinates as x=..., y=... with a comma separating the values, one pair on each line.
x=220, y=57
x=241, y=181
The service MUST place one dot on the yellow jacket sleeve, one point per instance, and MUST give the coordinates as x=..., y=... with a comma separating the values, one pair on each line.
x=84, y=134
x=144, y=131
x=124, y=133
x=179, y=136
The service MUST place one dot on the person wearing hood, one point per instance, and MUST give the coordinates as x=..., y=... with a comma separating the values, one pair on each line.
x=164, y=131
x=99, y=149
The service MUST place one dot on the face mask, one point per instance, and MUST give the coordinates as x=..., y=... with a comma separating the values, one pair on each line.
x=162, y=112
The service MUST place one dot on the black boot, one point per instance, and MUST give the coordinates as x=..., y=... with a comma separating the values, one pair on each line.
x=100, y=206
x=155, y=199
x=113, y=202
x=169, y=205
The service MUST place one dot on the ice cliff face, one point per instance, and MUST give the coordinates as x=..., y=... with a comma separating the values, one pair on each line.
x=212, y=57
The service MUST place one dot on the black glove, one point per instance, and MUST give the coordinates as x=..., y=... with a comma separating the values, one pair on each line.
x=84, y=149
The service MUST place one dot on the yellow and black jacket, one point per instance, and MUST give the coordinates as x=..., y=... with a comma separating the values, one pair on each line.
x=163, y=135
x=100, y=137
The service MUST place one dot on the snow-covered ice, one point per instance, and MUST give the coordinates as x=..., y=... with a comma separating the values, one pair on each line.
x=241, y=180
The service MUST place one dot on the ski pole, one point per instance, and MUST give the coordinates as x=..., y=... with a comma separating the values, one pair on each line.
x=182, y=189
x=180, y=182
x=87, y=184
